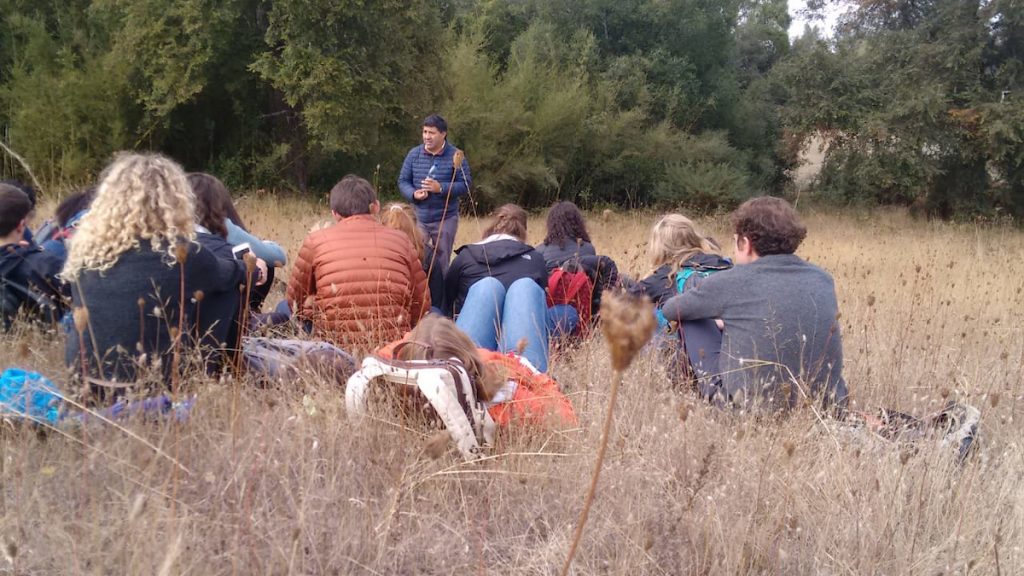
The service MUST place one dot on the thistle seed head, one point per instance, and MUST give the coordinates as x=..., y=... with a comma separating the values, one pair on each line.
x=627, y=323
x=81, y=318
x=181, y=253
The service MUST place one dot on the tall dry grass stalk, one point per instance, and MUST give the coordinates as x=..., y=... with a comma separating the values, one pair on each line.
x=627, y=324
x=930, y=313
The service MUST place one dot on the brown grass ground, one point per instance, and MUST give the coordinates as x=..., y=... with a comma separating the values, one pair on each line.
x=279, y=481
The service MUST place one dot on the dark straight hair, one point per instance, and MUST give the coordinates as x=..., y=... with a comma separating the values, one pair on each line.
x=436, y=121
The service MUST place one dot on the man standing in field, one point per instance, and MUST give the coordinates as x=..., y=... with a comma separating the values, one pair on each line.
x=781, y=340
x=360, y=283
x=433, y=178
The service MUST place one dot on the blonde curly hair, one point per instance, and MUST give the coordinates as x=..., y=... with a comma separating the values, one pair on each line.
x=140, y=197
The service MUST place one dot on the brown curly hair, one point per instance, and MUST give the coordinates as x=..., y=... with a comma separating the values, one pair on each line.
x=566, y=224
x=771, y=225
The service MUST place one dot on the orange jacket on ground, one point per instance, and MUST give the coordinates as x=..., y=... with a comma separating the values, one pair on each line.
x=366, y=282
x=536, y=399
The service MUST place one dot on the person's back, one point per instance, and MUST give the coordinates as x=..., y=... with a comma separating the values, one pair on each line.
x=781, y=338
x=134, y=271
x=28, y=275
x=566, y=238
x=556, y=254
x=365, y=280
x=780, y=325
x=29, y=283
x=134, y=305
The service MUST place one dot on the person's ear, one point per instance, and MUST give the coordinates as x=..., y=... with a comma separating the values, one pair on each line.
x=375, y=207
x=742, y=244
x=337, y=217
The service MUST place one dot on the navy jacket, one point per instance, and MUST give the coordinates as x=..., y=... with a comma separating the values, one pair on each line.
x=506, y=260
x=28, y=279
x=660, y=285
x=418, y=165
x=133, y=304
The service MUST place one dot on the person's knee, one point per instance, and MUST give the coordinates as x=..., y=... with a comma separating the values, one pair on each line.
x=525, y=286
x=488, y=285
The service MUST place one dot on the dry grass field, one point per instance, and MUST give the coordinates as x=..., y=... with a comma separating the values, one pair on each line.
x=279, y=481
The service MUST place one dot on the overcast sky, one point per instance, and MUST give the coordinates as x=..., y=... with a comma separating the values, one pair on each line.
x=796, y=28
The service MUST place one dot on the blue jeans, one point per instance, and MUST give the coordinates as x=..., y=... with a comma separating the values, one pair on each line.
x=562, y=320
x=498, y=319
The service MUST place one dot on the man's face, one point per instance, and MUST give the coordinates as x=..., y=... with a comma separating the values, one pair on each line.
x=433, y=138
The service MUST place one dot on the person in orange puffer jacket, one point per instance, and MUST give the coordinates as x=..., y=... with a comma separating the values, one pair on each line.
x=359, y=282
x=513, y=390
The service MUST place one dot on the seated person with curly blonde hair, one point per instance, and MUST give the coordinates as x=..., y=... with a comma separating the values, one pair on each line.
x=136, y=272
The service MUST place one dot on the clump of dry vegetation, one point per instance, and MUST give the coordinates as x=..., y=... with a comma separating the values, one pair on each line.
x=278, y=480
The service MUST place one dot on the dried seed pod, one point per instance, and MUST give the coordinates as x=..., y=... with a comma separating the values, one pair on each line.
x=627, y=323
x=81, y=318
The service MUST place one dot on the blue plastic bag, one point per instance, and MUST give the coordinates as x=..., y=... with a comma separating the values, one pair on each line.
x=29, y=395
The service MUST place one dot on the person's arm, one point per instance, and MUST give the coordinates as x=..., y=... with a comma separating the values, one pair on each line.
x=268, y=251
x=302, y=283
x=405, y=184
x=420, y=304
x=214, y=274
x=463, y=181
x=705, y=300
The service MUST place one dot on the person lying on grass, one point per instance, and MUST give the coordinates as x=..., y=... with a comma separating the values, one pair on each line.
x=512, y=388
x=781, y=342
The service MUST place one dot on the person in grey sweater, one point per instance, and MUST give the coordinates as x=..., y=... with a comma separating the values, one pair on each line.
x=781, y=341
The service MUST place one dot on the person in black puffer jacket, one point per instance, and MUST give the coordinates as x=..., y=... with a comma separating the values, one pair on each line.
x=494, y=289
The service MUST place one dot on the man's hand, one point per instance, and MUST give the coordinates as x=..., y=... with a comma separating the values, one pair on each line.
x=431, y=185
x=421, y=194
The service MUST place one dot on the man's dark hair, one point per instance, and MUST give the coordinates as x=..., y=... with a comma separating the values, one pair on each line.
x=771, y=225
x=28, y=190
x=351, y=196
x=566, y=224
x=436, y=121
x=14, y=207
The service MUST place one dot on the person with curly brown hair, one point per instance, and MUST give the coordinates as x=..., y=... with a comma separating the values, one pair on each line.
x=567, y=237
x=781, y=340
